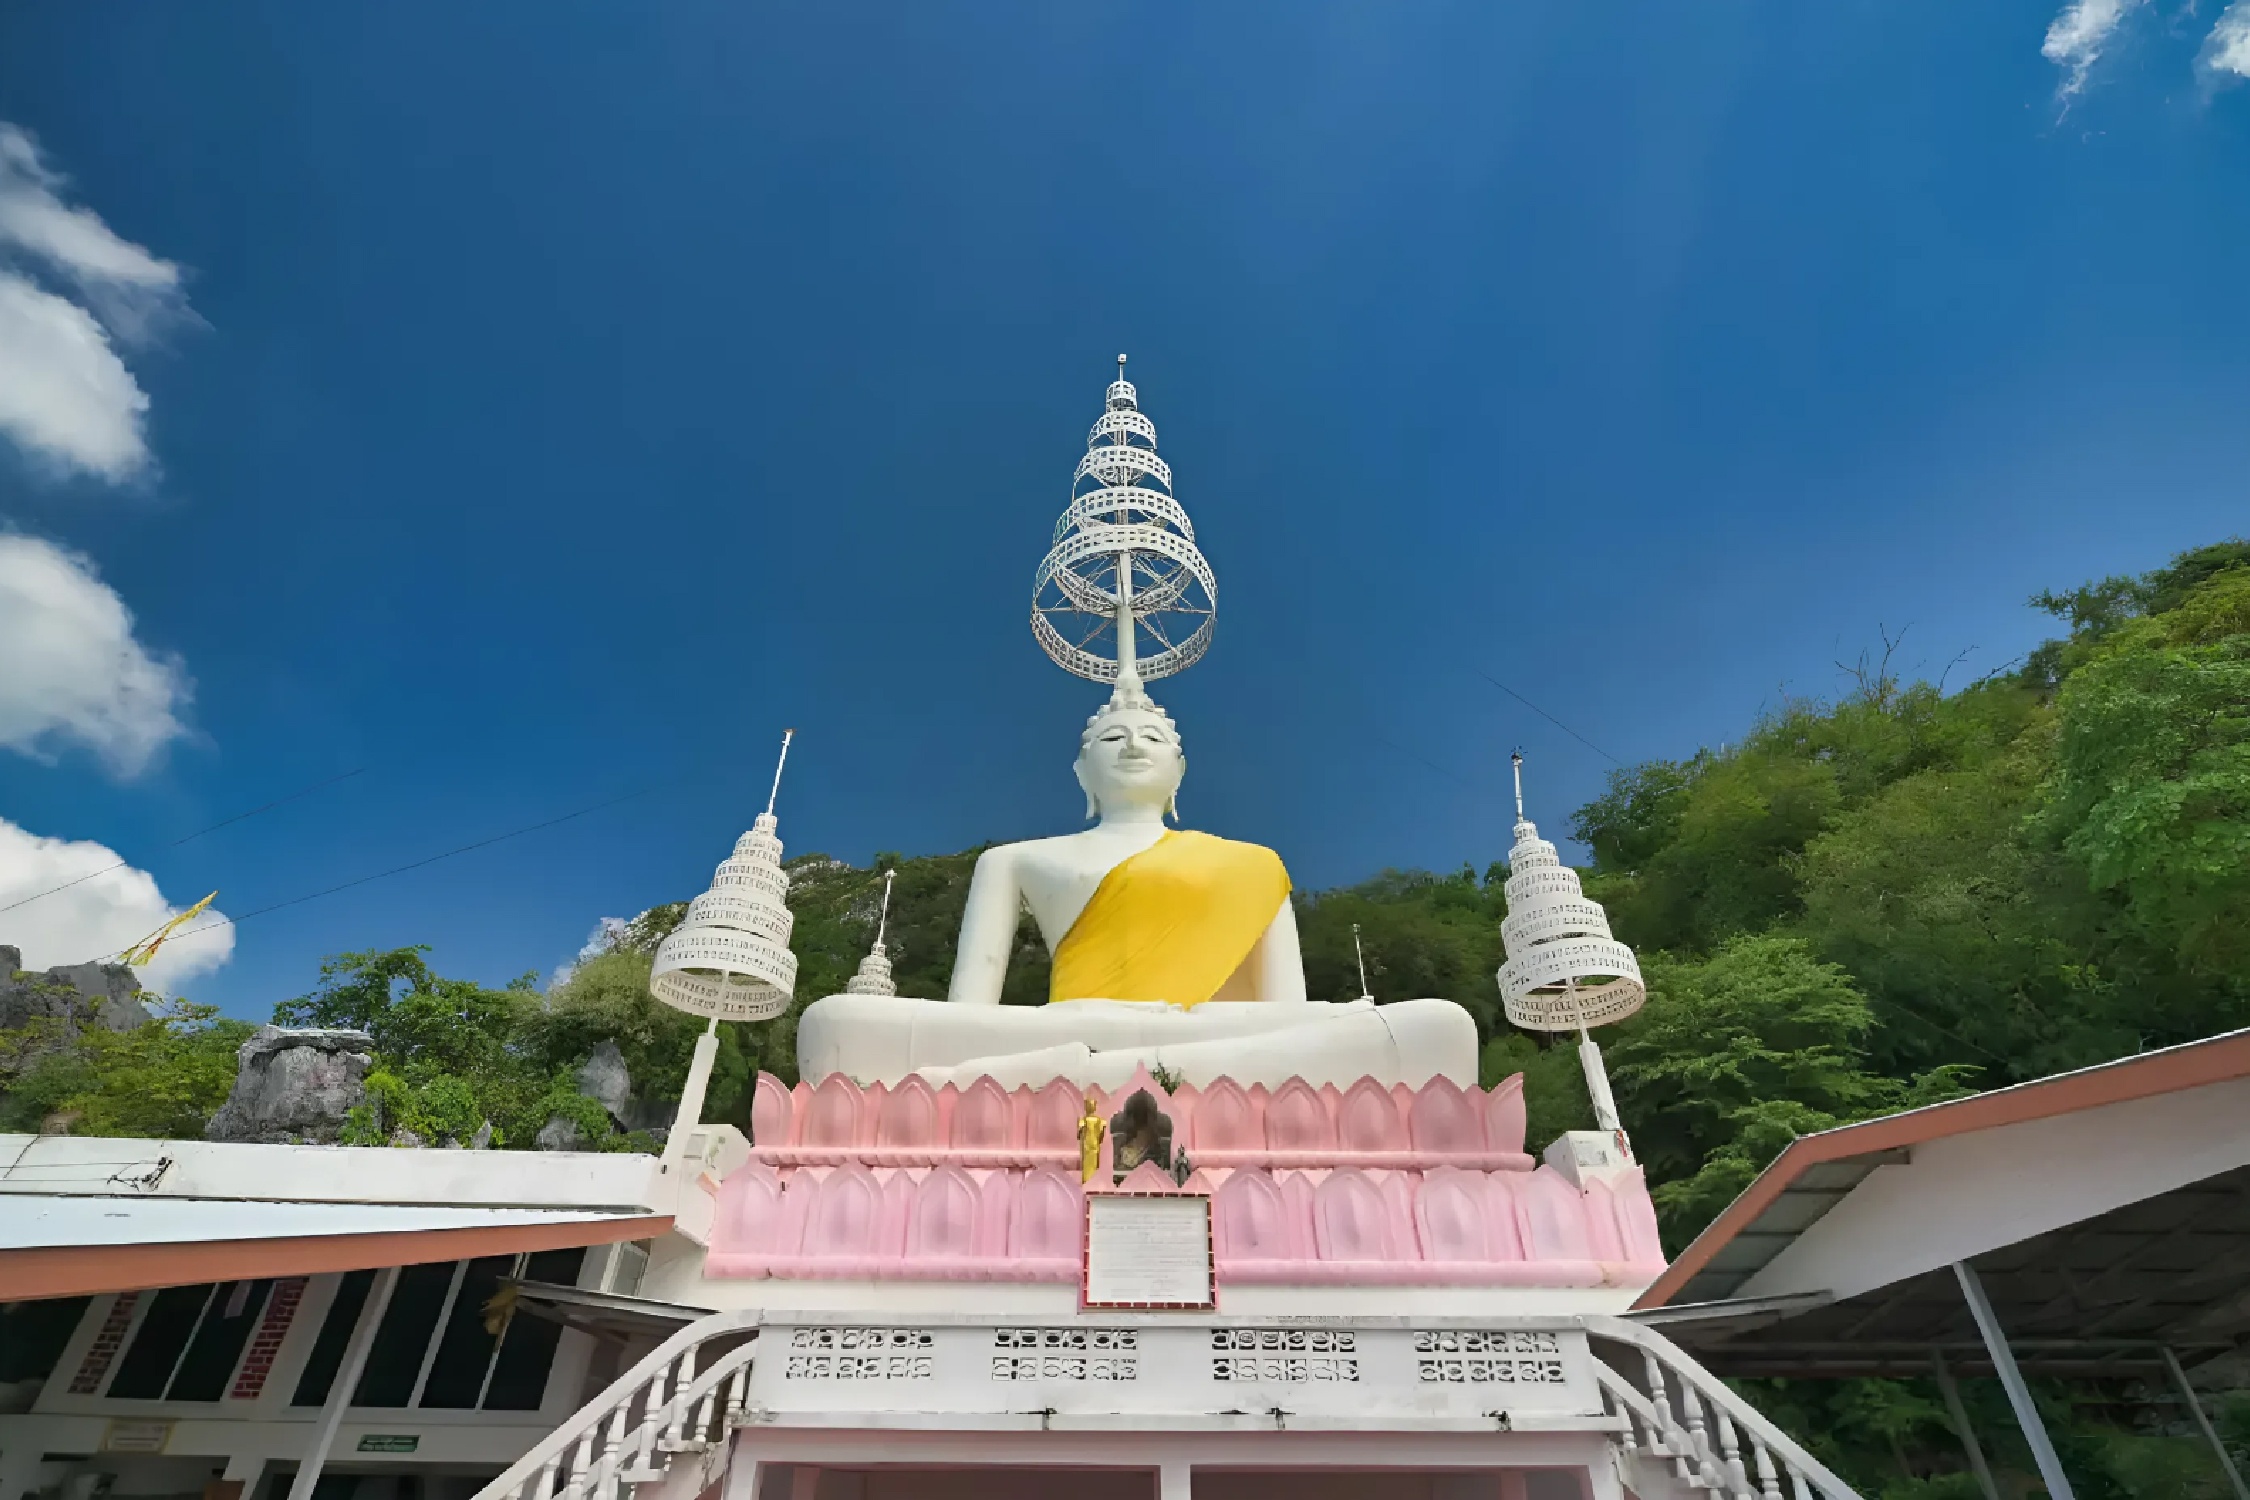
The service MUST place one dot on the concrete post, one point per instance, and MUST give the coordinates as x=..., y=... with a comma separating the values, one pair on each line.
x=1173, y=1482
x=1960, y=1415
x=19, y=1468
x=245, y=1470
x=347, y=1380
x=2011, y=1380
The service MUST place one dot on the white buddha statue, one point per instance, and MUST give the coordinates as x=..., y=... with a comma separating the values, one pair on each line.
x=1171, y=948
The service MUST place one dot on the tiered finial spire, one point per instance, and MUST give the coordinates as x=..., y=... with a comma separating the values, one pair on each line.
x=874, y=976
x=1124, y=561
x=729, y=958
x=1556, y=940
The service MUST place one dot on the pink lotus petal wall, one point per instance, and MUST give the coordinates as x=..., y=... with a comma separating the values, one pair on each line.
x=1309, y=1186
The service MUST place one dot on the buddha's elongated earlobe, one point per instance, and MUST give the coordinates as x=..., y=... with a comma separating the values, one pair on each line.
x=1172, y=807
x=1093, y=808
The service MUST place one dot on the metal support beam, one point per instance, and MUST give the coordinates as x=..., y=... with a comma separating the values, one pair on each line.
x=1960, y=1415
x=346, y=1382
x=2011, y=1380
x=2195, y=1405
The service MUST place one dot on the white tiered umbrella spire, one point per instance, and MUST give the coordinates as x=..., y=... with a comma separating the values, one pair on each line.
x=874, y=976
x=1564, y=971
x=1124, y=561
x=729, y=959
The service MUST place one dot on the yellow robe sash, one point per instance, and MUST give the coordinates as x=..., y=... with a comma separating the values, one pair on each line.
x=1171, y=923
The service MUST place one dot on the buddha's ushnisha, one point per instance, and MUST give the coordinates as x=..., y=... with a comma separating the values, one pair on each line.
x=1171, y=948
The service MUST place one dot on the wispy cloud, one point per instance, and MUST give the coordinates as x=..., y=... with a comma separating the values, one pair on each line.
x=2227, y=48
x=75, y=673
x=71, y=291
x=2078, y=36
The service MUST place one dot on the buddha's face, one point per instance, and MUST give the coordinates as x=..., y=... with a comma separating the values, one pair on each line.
x=1131, y=759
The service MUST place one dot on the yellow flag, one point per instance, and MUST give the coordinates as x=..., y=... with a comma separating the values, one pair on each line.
x=144, y=951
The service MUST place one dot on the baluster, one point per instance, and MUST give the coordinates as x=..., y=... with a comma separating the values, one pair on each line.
x=582, y=1462
x=707, y=1415
x=1797, y=1483
x=678, y=1407
x=1661, y=1396
x=656, y=1415
x=1730, y=1448
x=1699, y=1435
x=1769, y=1488
x=613, y=1440
x=543, y=1485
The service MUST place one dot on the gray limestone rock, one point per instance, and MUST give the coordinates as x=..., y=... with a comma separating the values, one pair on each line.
x=603, y=1078
x=558, y=1134
x=294, y=1085
x=62, y=993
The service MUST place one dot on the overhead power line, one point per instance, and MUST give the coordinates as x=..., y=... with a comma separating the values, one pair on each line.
x=1550, y=718
x=485, y=843
x=191, y=838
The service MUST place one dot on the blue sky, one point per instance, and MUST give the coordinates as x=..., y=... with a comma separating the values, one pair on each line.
x=529, y=405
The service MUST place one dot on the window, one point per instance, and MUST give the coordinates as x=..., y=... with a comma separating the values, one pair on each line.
x=32, y=1336
x=433, y=1350
x=464, y=1353
x=327, y=1355
x=394, y=1365
x=188, y=1342
x=234, y=1310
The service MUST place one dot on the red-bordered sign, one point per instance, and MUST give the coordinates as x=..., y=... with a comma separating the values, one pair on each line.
x=1166, y=1285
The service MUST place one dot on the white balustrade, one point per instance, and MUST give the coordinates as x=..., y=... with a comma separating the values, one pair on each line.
x=681, y=1401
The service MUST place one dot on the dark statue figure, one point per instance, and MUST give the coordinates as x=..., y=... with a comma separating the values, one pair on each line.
x=1139, y=1132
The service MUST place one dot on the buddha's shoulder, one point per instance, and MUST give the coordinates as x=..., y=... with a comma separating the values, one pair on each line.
x=1237, y=848
x=1032, y=851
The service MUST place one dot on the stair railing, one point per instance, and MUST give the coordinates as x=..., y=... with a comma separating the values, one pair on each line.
x=1683, y=1417
x=652, y=1414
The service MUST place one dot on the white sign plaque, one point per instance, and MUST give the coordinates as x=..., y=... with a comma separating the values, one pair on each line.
x=1147, y=1250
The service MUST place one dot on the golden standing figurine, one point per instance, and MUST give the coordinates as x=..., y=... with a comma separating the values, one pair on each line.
x=1091, y=1128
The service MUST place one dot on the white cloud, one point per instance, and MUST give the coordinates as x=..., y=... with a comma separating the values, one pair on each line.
x=99, y=915
x=64, y=392
x=2077, y=37
x=2227, y=48
x=75, y=674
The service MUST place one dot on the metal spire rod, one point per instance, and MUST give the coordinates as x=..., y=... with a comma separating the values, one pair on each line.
x=786, y=736
x=1361, y=955
x=1515, y=759
x=1128, y=666
x=883, y=921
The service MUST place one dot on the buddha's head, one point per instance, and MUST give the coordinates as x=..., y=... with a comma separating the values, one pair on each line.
x=1129, y=760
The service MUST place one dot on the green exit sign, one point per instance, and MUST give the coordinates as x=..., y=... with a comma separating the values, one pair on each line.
x=390, y=1442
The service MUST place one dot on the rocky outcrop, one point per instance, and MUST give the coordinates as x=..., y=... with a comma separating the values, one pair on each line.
x=605, y=1079
x=294, y=1085
x=559, y=1134
x=72, y=994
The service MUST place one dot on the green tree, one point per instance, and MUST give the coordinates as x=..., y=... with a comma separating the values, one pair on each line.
x=1735, y=1056
x=164, y=1078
